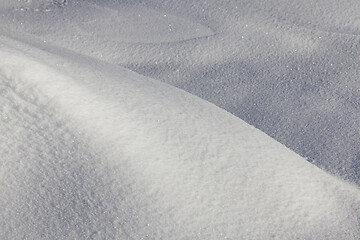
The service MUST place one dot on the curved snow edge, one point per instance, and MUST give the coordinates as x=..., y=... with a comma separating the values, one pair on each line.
x=207, y=172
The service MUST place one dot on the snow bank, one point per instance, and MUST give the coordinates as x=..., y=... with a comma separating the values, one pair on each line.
x=290, y=68
x=101, y=152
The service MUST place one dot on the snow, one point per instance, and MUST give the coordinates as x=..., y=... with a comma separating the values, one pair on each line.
x=92, y=150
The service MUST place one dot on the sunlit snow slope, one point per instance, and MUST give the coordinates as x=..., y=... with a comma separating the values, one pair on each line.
x=90, y=150
x=290, y=68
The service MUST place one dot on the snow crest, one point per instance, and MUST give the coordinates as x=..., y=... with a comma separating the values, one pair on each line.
x=104, y=153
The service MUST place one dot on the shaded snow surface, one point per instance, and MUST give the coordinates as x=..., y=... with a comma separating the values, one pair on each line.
x=91, y=150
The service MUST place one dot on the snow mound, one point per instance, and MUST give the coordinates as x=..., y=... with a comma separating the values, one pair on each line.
x=101, y=152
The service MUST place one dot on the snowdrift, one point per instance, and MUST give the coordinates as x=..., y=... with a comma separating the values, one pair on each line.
x=289, y=68
x=91, y=150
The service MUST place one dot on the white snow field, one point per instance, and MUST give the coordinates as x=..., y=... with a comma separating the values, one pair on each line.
x=289, y=68
x=96, y=151
x=92, y=150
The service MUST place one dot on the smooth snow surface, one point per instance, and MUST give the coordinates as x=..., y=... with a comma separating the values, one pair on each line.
x=124, y=156
x=290, y=68
x=92, y=150
x=128, y=23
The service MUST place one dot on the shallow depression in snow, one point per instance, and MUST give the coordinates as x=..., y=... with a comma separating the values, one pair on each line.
x=129, y=23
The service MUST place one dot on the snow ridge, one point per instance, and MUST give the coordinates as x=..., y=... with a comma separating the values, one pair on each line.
x=156, y=163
